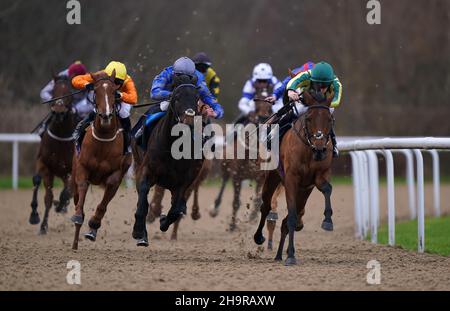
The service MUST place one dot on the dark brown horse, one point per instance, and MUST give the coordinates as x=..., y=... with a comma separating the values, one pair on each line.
x=159, y=165
x=158, y=195
x=55, y=154
x=305, y=162
x=101, y=160
x=242, y=169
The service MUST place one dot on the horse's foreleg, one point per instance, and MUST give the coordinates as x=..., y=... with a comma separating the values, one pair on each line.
x=174, y=235
x=139, y=229
x=284, y=232
x=176, y=211
x=273, y=216
x=48, y=184
x=195, y=206
x=78, y=218
x=326, y=190
x=257, y=201
x=215, y=211
x=64, y=197
x=292, y=187
x=112, y=184
x=270, y=184
x=237, y=183
x=34, y=216
x=156, y=204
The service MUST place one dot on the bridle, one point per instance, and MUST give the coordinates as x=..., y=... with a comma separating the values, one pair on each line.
x=189, y=112
x=306, y=137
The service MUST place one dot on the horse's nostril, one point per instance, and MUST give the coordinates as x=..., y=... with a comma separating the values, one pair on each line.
x=190, y=112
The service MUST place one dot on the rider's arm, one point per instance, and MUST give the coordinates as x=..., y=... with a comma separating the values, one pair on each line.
x=299, y=80
x=46, y=92
x=159, y=84
x=129, y=93
x=209, y=99
x=337, y=89
x=248, y=92
x=79, y=82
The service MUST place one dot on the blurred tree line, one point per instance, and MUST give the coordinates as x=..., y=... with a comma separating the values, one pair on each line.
x=395, y=75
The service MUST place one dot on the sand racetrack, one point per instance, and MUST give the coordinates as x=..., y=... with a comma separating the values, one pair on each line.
x=206, y=256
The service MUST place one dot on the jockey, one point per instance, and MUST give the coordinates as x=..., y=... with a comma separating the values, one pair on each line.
x=126, y=97
x=81, y=105
x=262, y=77
x=321, y=82
x=203, y=64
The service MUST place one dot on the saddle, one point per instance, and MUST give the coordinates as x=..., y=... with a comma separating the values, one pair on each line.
x=141, y=131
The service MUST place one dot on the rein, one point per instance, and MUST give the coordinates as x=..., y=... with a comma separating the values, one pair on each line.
x=177, y=117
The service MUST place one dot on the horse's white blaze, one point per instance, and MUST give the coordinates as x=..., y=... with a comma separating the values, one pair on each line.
x=108, y=112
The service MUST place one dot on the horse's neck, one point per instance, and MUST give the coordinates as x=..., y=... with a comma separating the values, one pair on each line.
x=66, y=126
x=162, y=131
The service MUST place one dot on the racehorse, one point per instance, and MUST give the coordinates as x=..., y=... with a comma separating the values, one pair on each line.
x=241, y=169
x=159, y=167
x=55, y=154
x=305, y=162
x=158, y=195
x=101, y=160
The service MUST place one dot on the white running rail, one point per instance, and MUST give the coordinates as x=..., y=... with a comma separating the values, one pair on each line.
x=363, y=153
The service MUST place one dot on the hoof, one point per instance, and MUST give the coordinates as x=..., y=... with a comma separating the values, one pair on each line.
x=34, y=218
x=214, y=212
x=91, y=235
x=270, y=245
x=327, y=226
x=77, y=219
x=163, y=223
x=196, y=216
x=43, y=230
x=290, y=261
x=259, y=239
x=273, y=216
x=278, y=258
x=233, y=227
x=61, y=207
x=299, y=227
x=142, y=242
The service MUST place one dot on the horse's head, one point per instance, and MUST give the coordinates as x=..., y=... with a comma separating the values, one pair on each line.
x=184, y=100
x=263, y=108
x=62, y=106
x=318, y=123
x=105, y=91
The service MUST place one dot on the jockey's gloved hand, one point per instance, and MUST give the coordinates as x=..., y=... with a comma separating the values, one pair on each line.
x=89, y=86
x=118, y=95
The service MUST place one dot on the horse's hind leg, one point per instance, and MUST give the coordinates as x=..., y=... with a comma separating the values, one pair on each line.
x=326, y=190
x=270, y=184
x=139, y=229
x=284, y=232
x=215, y=211
x=174, y=235
x=79, y=198
x=34, y=216
x=112, y=184
x=48, y=184
x=257, y=201
x=156, y=204
x=273, y=216
x=237, y=183
x=64, y=197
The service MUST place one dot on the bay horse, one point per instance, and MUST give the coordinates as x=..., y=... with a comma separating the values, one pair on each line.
x=101, y=160
x=159, y=167
x=55, y=154
x=242, y=169
x=158, y=195
x=305, y=163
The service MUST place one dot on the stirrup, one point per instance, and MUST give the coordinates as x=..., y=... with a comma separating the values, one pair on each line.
x=335, y=152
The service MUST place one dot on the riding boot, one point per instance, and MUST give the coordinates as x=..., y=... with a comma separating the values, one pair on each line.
x=333, y=141
x=126, y=126
x=78, y=134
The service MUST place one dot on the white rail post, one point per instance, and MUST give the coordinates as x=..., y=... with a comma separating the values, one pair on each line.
x=374, y=194
x=436, y=181
x=363, y=176
x=359, y=233
x=410, y=182
x=390, y=195
x=420, y=202
x=15, y=165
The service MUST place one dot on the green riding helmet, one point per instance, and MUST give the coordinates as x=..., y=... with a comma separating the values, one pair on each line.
x=322, y=73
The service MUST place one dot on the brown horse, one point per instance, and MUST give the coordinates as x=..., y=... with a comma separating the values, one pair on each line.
x=55, y=154
x=241, y=169
x=158, y=195
x=101, y=160
x=305, y=162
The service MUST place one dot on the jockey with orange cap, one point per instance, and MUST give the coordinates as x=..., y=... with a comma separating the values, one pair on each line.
x=81, y=106
x=126, y=97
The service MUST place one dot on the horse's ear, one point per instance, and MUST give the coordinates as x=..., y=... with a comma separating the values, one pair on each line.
x=291, y=74
x=92, y=76
x=113, y=74
x=54, y=75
